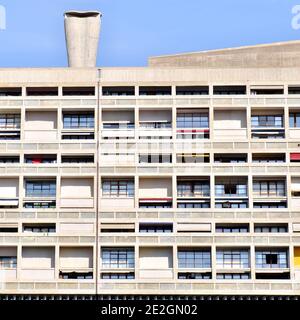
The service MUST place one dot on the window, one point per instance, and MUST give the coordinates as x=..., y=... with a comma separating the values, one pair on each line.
x=118, y=188
x=267, y=121
x=269, y=188
x=78, y=91
x=10, y=92
x=155, y=158
x=232, y=228
x=232, y=259
x=231, y=189
x=272, y=258
x=270, y=205
x=9, y=159
x=295, y=120
x=193, y=205
x=194, y=275
x=192, y=158
x=8, y=262
x=153, y=91
x=39, y=228
x=77, y=159
x=78, y=120
x=40, y=205
x=117, y=258
x=192, y=90
x=37, y=159
x=229, y=90
x=268, y=158
x=10, y=121
x=231, y=204
x=193, y=189
x=42, y=91
x=271, y=228
x=117, y=276
x=155, y=124
x=233, y=276
x=192, y=120
x=194, y=259
x=75, y=275
x=118, y=91
x=230, y=158
x=156, y=228
x=40, y=189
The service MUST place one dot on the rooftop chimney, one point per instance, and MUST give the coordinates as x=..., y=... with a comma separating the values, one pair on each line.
x=82, y=29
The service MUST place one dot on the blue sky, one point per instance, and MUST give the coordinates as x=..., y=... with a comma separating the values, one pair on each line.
x=133, y=30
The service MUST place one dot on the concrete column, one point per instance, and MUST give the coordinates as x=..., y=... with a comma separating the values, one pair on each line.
x=82, y=29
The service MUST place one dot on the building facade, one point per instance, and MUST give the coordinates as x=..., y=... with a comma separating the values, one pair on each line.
x=179, y=178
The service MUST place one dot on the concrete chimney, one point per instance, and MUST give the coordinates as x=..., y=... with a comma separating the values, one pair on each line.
x=82, y=29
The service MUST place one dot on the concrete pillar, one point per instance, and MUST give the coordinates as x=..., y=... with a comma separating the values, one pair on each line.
x=82, y=30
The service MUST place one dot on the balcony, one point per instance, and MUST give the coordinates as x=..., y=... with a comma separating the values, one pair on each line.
x=272, y=263
x=192, y=124
x=231, y=192
x=40, y=193
x=118, y=124
x=78, y=126
x=269, y=193
x=10, y=126
x=155, y=193
x=230, y=124
x=155, y=124
x=41, y=126
x=120, y=192
x=156, y=263
x=267, y=126
x=193, y=192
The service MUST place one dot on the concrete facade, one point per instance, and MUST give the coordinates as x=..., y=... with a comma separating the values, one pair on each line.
x=180, y=178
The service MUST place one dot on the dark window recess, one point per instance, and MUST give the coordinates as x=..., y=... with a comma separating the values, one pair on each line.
x=272, y=158
x=229, y=90
x=283, y=275
x=155, y=158
x=264, y=228
x=192, y=90
x=270, y=205
x=194, y=275
x=267, y=91
x=78, y=91
x=294, y=90
x=155, y=91
x=7, y=92
x=77, y=159
x=155, y=205
x=232, y=228
x=87, y=136
x=9, y=159
x=118, y=91
x=37, y=159
x=271, y=258
x=43, y=228
x=42, y=91
x=156, y=228
x=8, y=229
x=9, y=135
x=75, y=275
x=230, y=158
x=40, y=205
x=129, y=275
x=117, y=230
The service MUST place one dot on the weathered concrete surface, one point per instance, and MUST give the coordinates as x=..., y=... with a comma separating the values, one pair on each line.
x=274, y=55
x=82, y=29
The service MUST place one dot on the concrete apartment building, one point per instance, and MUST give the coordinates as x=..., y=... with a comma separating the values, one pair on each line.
x=179, y=178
